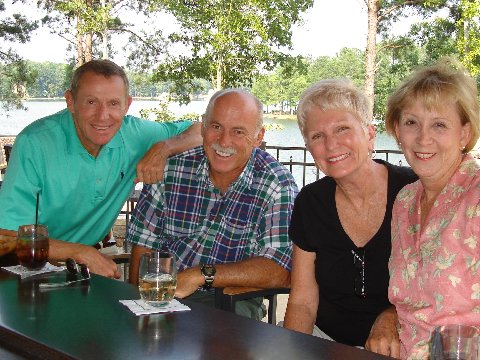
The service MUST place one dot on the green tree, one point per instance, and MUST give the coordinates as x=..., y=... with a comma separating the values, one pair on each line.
x=395, y=63
x=454, y=31
x=86, y=24
x=226, y=42
x=15, y=75
x=348, y=63
x=51, y=81
x=264, y=88
x=283, y=86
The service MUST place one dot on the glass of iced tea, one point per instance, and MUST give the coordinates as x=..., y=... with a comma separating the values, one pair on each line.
x=32, y=246
x=157, y=278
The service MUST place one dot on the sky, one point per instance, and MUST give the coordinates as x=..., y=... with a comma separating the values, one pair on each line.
x=328, y=26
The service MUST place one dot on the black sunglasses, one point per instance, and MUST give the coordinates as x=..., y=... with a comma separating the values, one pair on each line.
x=359, y=264
x=74, y=268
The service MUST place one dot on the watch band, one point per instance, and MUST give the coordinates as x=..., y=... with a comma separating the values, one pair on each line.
x=208, y=272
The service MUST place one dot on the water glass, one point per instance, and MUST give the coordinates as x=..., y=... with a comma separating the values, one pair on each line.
x=157, y=278
x=455, y=342
x=32, y=246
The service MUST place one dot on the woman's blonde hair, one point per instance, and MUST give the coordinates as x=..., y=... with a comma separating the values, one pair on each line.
x=443, y=83
x=333, y=94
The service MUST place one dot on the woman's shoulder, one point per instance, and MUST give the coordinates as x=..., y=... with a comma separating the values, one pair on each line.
x=317, y=194
x=321, y=185
x=399, y=175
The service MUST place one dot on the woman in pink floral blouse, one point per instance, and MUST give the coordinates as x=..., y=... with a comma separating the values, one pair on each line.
x=435, y=262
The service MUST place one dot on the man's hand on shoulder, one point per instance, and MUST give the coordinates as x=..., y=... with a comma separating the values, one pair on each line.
x=383, y=338
x=151, y=167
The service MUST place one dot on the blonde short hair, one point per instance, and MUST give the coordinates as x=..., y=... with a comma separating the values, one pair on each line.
x=444, y=82
x=333, y=94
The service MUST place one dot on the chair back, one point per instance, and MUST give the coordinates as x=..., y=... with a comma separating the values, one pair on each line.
x=8, y=150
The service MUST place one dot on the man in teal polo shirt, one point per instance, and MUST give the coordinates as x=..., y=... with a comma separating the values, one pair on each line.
x=83, y=161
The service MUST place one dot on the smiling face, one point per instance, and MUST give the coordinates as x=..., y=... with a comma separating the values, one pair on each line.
x=98, y=109
x=432, y=141
x=229, y=135
x=338, y=142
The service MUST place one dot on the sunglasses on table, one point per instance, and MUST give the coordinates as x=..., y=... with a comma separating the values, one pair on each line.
x=359, y=280
x=74, y=268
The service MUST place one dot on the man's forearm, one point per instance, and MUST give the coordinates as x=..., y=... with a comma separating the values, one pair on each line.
x=6, y=232
x=151, y=167
x=258, y=272
x=188, y=139
x=254, y=272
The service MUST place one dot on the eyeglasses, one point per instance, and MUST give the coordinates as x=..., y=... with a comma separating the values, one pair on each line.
x=359, y=264
x=74, y=268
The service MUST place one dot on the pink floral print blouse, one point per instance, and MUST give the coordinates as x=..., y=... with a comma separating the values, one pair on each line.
x=435, y=270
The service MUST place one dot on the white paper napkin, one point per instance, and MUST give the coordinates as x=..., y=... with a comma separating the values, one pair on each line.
x=140, y=307
x=24, y=272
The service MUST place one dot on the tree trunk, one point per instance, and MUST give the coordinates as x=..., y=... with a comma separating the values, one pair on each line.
x=88, y=38
x=219, y=80
x=80, y=55
x=371, y=53
x=88, y=46
x=104, y=35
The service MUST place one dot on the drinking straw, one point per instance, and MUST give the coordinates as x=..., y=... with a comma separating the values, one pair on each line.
x=36, y=211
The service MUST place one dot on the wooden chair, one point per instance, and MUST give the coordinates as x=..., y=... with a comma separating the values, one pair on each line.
x=8, y=150
x=3, y=165
x=225, y=298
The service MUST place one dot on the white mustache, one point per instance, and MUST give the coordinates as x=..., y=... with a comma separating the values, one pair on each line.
x=219, y=148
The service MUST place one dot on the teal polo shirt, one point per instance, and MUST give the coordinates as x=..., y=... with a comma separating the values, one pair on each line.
x=80, y=196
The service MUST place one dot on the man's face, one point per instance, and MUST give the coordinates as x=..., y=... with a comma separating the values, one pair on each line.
x=98, y=109
x=229, y=135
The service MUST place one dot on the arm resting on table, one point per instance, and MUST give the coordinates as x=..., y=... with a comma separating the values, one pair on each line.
x=383, y=338
x=83, y=254
x=303, y=300
x=255, y=272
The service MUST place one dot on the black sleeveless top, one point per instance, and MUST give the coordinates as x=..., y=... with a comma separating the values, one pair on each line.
x=315, y=227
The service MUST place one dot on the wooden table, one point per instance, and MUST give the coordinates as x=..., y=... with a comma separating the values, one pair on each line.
x=87, y=322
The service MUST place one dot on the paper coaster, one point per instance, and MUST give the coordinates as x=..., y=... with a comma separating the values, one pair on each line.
x=24, y=272
x=140, y=307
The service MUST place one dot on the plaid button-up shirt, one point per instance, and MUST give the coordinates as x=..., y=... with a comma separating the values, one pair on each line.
x=188, y=216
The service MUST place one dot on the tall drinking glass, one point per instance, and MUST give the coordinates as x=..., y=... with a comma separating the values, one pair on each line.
x=455, y=342
x=157, y=278
x=32, y=246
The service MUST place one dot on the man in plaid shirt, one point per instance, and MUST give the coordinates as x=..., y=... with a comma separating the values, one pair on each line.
x=223, y=208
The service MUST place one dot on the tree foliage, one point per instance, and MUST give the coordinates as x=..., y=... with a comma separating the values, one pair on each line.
x=15, y=75
x=52, y=80
x=85, y=24
x=227, y=42
x=452, y=27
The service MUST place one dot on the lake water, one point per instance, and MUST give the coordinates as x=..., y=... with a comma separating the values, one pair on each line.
x=14, y=121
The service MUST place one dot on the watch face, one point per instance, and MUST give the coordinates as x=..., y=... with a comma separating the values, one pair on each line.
x=208, y=270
